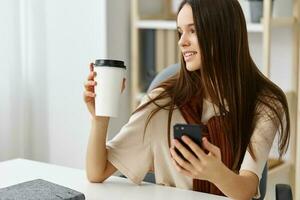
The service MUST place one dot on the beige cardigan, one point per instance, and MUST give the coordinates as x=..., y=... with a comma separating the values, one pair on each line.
x=134, y=153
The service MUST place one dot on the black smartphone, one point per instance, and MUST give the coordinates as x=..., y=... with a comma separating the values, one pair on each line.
x=194, y=132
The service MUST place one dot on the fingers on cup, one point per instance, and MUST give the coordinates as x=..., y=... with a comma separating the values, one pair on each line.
x=91, y=67
x=123, y=85
x=89, y=85
x=89, y=94
x=92, y=75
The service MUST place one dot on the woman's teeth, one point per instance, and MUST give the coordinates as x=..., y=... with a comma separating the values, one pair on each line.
x=188, y=55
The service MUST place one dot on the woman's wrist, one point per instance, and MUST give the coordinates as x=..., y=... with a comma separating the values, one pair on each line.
x=100, y=119
x=99, y=125
x=233, y=185
x=222, y=172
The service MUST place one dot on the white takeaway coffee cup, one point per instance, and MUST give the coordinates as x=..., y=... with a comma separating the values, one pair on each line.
x=109, y=78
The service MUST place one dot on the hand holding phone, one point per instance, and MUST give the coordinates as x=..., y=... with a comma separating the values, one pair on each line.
x=194, y=132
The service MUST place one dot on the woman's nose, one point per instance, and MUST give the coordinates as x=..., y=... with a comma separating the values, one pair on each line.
x=183, y=41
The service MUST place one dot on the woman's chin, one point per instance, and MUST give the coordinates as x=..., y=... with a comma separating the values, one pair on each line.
x=191, y=67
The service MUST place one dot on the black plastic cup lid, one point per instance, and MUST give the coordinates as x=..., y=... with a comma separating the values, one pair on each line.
x=109, y=63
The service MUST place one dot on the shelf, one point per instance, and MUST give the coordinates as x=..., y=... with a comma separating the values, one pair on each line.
x=251, y=27
x=283, y=22
x=156, y=24
x=171, y=25
x=255, y=27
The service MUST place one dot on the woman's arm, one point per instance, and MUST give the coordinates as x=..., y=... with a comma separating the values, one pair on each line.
x=242, y=186
x=98, y=168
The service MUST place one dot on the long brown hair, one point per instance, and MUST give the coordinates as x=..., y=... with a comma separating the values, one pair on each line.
x=229, y=76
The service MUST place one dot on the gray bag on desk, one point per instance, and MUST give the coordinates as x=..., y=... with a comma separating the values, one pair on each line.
x=39, y=189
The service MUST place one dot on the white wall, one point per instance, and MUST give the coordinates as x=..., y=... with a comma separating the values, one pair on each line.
x=48, y=45
x=10, y=73
x=75, y=36
x=34, y=61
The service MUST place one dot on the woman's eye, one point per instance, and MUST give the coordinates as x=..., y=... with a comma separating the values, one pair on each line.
x=193, y=31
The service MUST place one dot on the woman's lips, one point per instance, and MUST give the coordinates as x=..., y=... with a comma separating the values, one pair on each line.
x=188, y=56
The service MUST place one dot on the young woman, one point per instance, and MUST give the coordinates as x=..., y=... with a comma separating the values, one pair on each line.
x=218, y=86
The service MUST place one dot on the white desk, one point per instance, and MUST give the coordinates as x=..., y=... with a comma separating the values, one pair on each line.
x=114, y=188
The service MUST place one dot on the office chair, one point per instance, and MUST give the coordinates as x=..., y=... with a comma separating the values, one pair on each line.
x=283, y=191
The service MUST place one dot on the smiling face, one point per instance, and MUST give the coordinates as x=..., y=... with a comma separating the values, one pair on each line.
x=188, y=41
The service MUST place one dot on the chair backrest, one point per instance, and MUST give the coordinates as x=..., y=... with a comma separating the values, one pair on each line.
x=263, y=183
x=163, y=75
x=172, y=70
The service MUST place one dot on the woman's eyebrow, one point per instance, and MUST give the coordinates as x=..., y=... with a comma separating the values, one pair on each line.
x=188, y=25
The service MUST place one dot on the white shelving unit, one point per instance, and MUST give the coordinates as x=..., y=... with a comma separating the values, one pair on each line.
x=289, y=171
x=286, y=172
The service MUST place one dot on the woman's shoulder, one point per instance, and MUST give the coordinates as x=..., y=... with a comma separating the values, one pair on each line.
x=155, y=93
x=269, y=105
x=155, y=101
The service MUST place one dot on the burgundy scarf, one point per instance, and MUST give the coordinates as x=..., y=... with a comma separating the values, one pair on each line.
x=192, y=113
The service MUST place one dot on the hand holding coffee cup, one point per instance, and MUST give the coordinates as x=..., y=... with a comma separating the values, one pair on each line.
x=104, y=86
x=89, y=93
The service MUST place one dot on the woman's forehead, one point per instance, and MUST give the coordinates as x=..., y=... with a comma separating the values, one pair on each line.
x=185, y=16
